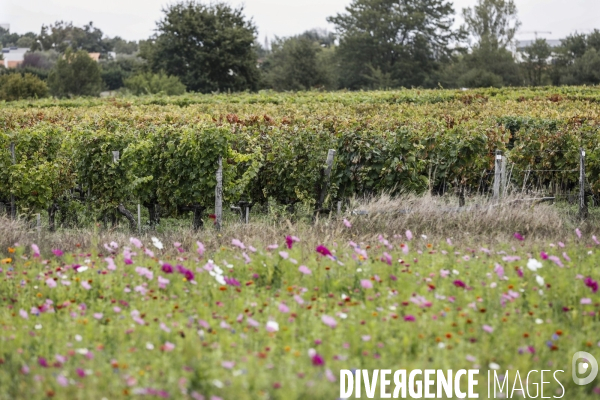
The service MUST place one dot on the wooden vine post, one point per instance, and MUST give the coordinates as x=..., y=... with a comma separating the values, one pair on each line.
x=13, y=210
x=499, y=175
x=583, y=209
x=326, y=179
x=219, y=195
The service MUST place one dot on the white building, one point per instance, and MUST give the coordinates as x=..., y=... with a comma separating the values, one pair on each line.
x=13, y=56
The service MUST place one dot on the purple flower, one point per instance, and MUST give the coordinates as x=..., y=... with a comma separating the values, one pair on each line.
x=167, y=268
x=518, y=236
x=323, y=250
x=189, y=275
x=317, y=360
x=288, y=241
x=232, y=281
x=42, y=361
x=592, y=284
x=543, y=255
x=57, y=252
x=409, y=318
x=459, y=283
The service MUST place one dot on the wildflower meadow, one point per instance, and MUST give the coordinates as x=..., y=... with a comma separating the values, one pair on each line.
x=144, y=318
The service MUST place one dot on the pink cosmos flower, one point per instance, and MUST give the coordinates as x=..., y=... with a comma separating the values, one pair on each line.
x=347, y=223
x=444, y=273
x=35, y=249
x=404, y=248
x=586, y=300
x=23, y=314
x=409, y=235
x=148, y=252
x=136, y=242
x=200, y=248
x=232, y=281
x=98, y=315
x=168, y=346
x=283, y=308
x=304, y=269
x=111, y=263
x=329, y=321
x=86, y=285
x=272, y=246
x=62, y=380
x=284, y=254
x=238, y=243
x=386, y=258
x=595, y=239
x=566, y=257
x=324, y=251
x=228, y=364
x=578, y=233
x=247, y=259
x=51, y=283
x=57, y=252
x=488, y=329
x=298, y=299
x=162, y=282
x=366, y=284
x=499, y=270
x=556, y=261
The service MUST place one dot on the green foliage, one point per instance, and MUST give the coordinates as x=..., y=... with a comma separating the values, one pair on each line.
x=293, y=64
x=75, y=74
x=115, y=72
x=63, y=35
x=536, y=61
x=398, y=43
x=494, y=22
x=16, y=87
x=208, y=47
x=149, y=83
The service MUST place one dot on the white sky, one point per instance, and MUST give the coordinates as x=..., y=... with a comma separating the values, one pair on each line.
x=135, y=19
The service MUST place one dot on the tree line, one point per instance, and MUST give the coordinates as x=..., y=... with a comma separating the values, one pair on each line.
x=377, y=44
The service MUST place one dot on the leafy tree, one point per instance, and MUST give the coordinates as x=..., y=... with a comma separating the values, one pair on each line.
x=149, y=83
x=209, y=47
x=17, y=87
x=294, y=64
x=493, y=24
x=63, y=35
x=391, y=42
x=536, y=60
x=75, y=74
x=577, y=60
x=492, y=21
x=115, y=72
x=121, y=46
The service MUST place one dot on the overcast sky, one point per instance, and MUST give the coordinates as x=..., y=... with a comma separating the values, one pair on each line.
x=135, y=19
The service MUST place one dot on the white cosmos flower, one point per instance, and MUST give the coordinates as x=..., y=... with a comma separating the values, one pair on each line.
x=157, y=243
x=534, y=264
x=539, y=280
x=493, y=365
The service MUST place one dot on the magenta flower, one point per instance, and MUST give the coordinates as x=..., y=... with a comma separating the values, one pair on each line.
x=459, y=283
x=329, y=321
x=592, y=284
x=324, y=251
x=80, y=373
x=232, y=281
x=317, y=360
x=289, y=242
x=167, y=268
x=366, y=284
x=57, y=252
x=42, y=361
x=518, y=236
x=544, y=255
x=409, y=318
x=189, y=275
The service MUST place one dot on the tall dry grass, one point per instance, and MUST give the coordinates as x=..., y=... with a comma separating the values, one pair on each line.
x=481, y=221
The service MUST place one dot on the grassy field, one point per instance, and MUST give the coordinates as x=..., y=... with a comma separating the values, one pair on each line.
x=240, y=318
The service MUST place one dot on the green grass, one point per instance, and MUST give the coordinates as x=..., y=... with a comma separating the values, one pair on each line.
x=103, y=353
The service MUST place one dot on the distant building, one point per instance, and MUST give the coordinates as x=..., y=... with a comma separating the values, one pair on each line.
x=95, y=56
x=520, y=46
x=13, y=56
